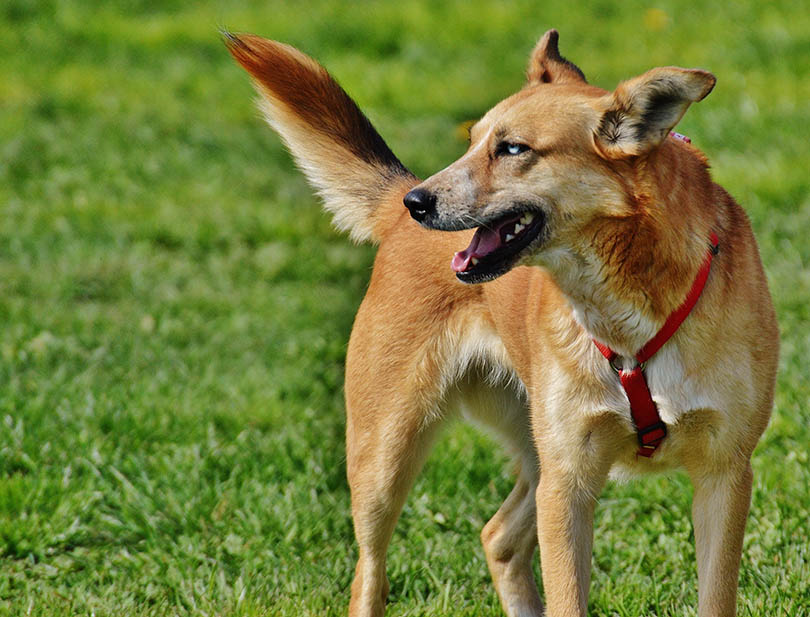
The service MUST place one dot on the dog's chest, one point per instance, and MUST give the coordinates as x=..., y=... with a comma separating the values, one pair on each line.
x=575, y=401
x=675, y=390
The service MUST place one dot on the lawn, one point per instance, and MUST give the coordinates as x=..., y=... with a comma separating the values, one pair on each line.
x=174, y=306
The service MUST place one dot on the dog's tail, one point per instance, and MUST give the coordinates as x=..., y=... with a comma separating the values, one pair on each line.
x=334, y=144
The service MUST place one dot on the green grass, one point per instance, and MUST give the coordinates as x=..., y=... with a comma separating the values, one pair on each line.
x=174, y=307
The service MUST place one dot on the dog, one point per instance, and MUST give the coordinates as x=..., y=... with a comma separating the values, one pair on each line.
x=609, y=315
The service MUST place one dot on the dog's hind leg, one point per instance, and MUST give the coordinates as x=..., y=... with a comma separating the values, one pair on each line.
x=382, y=465
x=416, y=332
x=510, y=540
x=510, y=536
x=392, y=401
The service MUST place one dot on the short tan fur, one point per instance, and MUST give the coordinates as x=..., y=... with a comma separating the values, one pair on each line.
x=610, y=220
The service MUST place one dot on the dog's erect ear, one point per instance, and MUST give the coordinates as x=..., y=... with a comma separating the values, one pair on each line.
x=638, y=116
x=546, y=65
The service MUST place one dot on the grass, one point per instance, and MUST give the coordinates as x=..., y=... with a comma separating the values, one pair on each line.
x=175, y=307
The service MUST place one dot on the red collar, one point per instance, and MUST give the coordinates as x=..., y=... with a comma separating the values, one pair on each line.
x=649, y=427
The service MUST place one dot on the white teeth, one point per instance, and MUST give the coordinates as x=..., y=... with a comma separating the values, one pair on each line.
x=526, y=218
x=510, y=237
x=474, y=261
x=519, y=228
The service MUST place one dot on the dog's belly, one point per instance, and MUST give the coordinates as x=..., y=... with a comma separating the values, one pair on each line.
x=500, y=409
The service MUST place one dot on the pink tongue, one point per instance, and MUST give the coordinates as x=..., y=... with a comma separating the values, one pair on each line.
x=483, y=243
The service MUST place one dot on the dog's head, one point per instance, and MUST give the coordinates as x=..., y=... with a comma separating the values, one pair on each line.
x=548, y=161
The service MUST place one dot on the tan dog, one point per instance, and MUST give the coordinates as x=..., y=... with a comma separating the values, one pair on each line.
x=594, y=224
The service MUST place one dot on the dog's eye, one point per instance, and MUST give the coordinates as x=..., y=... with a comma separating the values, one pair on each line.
x=508, y=148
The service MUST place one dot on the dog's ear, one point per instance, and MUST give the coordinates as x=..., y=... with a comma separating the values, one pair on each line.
x=546, y=65
x=639, y=115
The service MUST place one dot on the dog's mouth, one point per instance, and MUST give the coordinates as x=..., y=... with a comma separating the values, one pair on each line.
x=498, y=245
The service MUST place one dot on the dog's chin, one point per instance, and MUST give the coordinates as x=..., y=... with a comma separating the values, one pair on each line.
x=498, y=258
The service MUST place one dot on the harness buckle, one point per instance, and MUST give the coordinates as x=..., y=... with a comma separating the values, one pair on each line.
x=656, y=433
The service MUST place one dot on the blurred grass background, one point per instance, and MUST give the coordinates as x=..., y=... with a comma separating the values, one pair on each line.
x=174, y=308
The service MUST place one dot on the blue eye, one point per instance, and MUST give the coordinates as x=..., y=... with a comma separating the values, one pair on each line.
x=510, y=149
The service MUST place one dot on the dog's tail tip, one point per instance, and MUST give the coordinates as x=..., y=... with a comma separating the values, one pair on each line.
x=334, y=144
x=248, y=50
x=232, y=40
x=227, y=36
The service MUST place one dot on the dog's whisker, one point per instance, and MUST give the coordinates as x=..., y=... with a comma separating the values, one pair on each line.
x=469, y=218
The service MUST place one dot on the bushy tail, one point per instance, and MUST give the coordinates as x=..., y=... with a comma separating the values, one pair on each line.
x=334, y=144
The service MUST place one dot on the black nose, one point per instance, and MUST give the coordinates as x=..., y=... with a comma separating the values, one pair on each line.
x=421, y=203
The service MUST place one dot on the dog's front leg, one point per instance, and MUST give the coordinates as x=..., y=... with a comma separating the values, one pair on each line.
x=566, y=498
x=719, y=511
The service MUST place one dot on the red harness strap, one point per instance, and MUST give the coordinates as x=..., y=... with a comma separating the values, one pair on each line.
x=650, y=429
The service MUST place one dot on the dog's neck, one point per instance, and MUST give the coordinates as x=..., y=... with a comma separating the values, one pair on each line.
x=622, y=311
x=629, y=274
x=623, y=323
